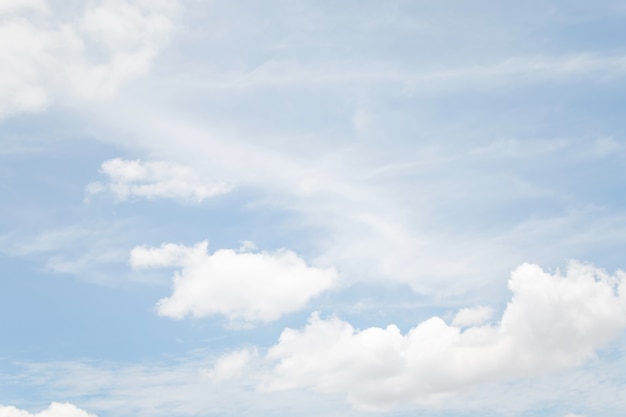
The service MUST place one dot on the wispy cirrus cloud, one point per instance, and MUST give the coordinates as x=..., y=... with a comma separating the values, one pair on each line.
x=510, y=71
x=92, y=253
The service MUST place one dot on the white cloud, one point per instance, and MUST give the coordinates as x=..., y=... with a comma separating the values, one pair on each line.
x=472, y=316
x=79, y=56
x=181, y=386
x=552, y=322
x=12, y=6
x=151, y=180
x=247, y=246
x=230, y=365
x=55, y=410
x=241, y=286
x=176, y=386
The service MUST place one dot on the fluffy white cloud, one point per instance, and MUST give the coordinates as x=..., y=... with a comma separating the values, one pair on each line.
x=152, y=180
x=55, y=410
x=241, y=286
x=47, y=53
x=552, y=322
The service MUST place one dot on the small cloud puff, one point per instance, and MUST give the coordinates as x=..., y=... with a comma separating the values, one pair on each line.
x=253, y=287
x=152, y=180
x=472, y=316
x=55, y=410
x=230, y=365
x=552, y=322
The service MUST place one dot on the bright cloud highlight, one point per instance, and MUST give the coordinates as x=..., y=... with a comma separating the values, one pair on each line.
x=552, y=322
x=154, y=180
x=253, y=287
x=55, y=410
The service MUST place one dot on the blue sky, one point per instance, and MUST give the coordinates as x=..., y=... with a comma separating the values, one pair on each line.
x=347, y=208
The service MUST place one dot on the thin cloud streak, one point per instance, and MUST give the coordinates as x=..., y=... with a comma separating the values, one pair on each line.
x=511, y=72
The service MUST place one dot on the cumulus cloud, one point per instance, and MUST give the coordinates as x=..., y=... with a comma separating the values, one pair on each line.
x=46, y=53
x=152, y=180
x=244, y=286
x=552, y=322
x=55, y=410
